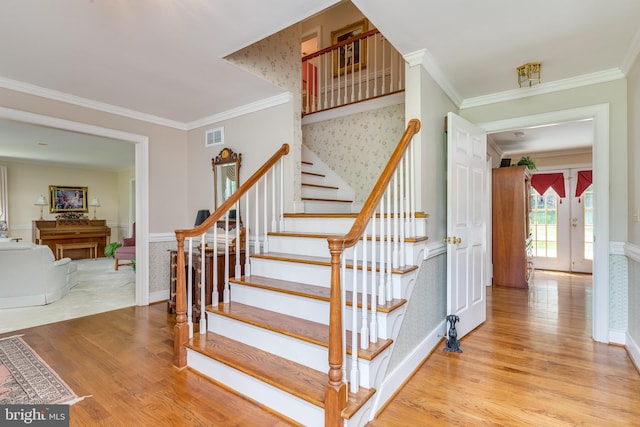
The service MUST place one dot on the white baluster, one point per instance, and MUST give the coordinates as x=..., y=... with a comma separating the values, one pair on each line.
x=396, y=221
x=274, y=223
x=225, y=294
x=375, y=61
x=373, y=327
x=265, y=216
x=190, y=288
x=238, y=272
x=413, y=187
x=367, y=74
x=355, y=376
x=383, y=243
x=281, y=162
x=360, y=70
x=203, y=289
x=256, y=232
x=215, y=295
x=401, y=214
x=384, y=81
x=247, y=262
x=389, y=284
x=391, y=57
x=364, y=331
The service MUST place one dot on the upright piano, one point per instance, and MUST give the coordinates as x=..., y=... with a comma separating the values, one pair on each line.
x=50, y=233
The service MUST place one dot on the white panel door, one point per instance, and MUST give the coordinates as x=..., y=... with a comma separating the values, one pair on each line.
x=466, y=222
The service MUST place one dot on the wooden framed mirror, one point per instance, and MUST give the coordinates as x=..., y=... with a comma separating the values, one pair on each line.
x=226, y=175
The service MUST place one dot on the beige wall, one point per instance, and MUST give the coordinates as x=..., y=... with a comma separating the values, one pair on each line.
x=167, y=154
x=633, y=326
x=613, y=93
x=29, y=180
x=256, y=136
x=332, y=19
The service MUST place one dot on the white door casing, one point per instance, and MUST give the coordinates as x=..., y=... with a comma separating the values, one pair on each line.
x=466, y=223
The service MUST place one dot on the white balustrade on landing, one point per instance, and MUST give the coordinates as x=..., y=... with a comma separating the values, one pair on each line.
x=357, y=69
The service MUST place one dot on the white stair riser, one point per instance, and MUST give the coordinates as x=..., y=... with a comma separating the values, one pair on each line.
x=319, y=192
x=317, y=225
x=308, y=178
x=320, y=275
x=308, y=354
x=272, y=397
x=316, y=206
x=314, y=246
x=307, y=308
x=342, y=226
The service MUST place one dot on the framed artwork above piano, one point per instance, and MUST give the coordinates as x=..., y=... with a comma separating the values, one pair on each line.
x=52, y=233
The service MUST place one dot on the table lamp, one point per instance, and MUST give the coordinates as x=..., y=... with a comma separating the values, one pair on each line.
x=94, y=203
x=41, y=201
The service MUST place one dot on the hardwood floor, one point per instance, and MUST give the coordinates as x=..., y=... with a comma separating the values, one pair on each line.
x=532, y=363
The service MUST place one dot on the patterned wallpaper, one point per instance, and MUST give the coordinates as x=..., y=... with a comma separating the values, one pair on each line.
x=277, y=60
x=618, y=292
x=372, y=136
x=425, y=310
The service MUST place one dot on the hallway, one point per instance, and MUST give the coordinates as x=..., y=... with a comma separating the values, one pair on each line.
x=532, y=363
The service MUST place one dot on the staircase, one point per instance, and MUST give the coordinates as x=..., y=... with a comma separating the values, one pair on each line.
x=291, y=334
x=323, y=191
x=270, y=341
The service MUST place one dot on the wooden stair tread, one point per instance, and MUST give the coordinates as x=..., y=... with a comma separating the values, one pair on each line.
x=421, y=215
x=299, y=380
x=326, y=261
x=295, y=327
x=314, y=235
x=319, y=199
x=309, y=291
x=329, y=187
x=306, y=162
x=313, y=174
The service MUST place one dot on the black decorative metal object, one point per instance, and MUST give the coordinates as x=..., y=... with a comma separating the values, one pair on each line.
x=453, y=345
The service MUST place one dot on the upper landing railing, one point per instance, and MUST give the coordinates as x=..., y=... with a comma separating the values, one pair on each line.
x=357, y=69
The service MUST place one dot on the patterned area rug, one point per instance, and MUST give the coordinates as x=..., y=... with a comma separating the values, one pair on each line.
x=26, y=379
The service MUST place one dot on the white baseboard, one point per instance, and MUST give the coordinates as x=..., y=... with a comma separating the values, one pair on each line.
x=403, y=372
x=633, y=350
x=617, y=337
x=158, y=296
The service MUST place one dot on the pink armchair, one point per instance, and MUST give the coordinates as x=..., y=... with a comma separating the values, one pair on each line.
x=127, y=251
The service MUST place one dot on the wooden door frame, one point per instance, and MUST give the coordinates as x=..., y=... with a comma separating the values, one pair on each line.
x=600, y=160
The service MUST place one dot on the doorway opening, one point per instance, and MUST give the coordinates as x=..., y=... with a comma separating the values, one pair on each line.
x=600, y=161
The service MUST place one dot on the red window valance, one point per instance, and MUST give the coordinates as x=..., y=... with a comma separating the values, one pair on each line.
x=585, y=178
x=542, y=181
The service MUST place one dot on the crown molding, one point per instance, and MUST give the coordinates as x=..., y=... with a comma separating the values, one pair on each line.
x=542, y=88
x=424, y=58
x=632, y=54
x=262, y=104
x=87, y=103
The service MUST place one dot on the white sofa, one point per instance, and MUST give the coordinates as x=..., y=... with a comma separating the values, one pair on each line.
x=30, y=275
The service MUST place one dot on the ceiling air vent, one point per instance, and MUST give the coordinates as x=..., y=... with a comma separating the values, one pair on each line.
x=214, y=137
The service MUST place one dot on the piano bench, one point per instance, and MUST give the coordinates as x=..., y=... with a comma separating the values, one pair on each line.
x=92, y=246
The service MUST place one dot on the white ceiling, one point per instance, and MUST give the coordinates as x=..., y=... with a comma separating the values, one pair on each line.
x=163, y=60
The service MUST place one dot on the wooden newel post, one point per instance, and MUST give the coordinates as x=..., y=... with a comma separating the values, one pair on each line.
x=335, y=393
x=181, y=329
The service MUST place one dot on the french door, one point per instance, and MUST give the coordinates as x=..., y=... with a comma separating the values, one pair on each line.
x=562, y=228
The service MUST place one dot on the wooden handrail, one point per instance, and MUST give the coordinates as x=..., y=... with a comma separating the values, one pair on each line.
x=342, y=43
x=181, y=329
x=335, y=390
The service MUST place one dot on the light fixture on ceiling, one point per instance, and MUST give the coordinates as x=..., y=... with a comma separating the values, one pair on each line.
x=529, y=73
x=519, y=134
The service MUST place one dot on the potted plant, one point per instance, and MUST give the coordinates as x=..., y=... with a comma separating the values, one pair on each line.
x=526, y=161
x=110, y=249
